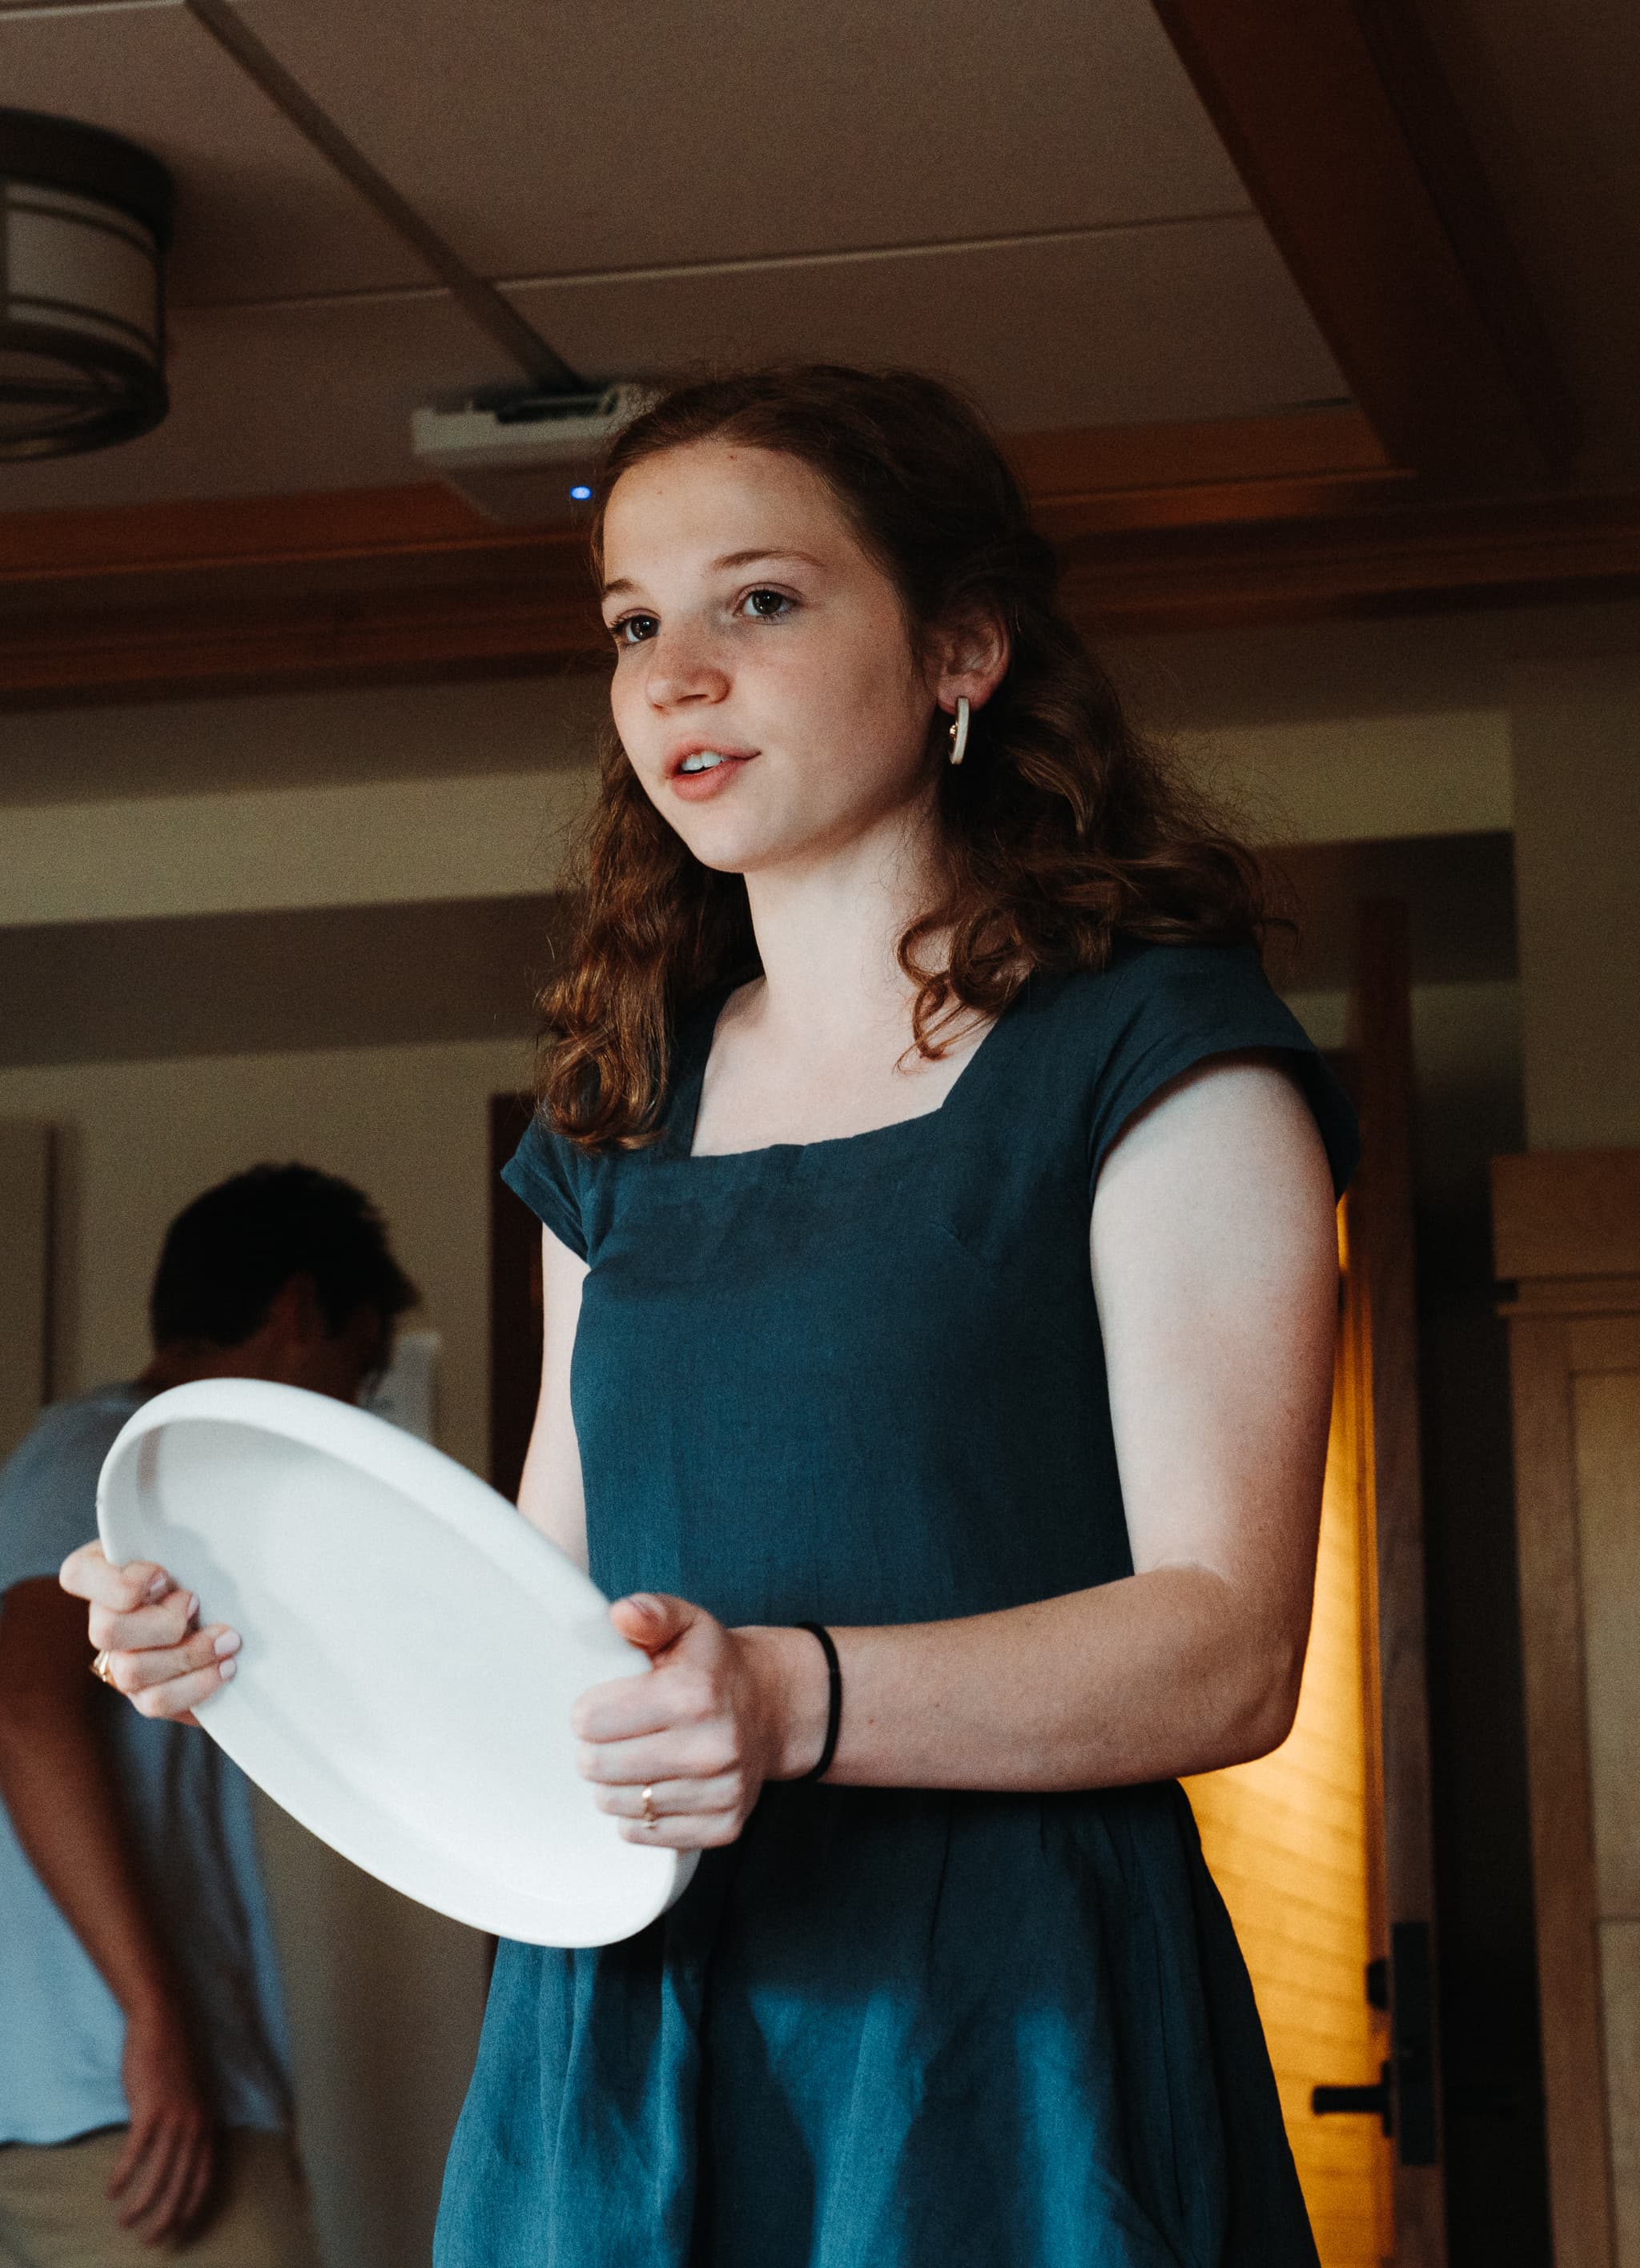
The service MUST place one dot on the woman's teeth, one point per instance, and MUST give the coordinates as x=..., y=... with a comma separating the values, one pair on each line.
x=704, y=761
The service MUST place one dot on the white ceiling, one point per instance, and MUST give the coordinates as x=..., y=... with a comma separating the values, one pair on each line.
x=1031, y=200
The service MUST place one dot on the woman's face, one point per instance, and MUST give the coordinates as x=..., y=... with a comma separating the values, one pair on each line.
x=765, y=689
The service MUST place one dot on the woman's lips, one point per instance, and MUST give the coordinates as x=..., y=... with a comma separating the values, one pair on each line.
x=695, y=787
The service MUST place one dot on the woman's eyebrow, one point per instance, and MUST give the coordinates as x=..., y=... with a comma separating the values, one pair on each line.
x=750, y=558
x=621, y=583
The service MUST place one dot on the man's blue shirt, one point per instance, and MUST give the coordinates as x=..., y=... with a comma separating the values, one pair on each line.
x=188, y=1816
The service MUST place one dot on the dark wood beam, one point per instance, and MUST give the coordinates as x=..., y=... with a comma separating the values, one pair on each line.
x=218, y=533
x=533, y=611
x=1409, y=559
x=1122, y=476
x=1226, y=470
x=1356, y=155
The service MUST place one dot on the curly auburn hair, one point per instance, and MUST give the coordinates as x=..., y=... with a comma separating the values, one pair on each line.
x=1063, y=832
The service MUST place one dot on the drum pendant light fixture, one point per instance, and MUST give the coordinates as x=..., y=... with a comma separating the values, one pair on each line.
x=84, y=225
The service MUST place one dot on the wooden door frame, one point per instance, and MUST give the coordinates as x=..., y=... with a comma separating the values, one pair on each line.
x=514, y=1300
x=1566, y=1236
x=1379, y=1217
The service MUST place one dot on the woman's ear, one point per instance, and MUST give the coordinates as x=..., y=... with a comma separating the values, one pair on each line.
x=972, y=659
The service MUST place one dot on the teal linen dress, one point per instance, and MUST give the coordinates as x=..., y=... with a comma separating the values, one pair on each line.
x=861, y=1382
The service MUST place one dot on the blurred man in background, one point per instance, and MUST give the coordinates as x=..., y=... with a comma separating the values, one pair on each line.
x=144, y=2078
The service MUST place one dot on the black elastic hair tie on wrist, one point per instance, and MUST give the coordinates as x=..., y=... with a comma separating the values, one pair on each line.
x=834, y=1703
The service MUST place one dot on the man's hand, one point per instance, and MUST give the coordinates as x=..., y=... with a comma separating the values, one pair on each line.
x=164, y=2173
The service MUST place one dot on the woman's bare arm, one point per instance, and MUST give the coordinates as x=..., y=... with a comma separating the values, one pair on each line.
x=550, y=1495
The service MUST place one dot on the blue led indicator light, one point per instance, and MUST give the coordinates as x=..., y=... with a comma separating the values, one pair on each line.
x=580, y=494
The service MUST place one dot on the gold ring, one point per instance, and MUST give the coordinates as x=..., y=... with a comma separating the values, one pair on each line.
x=646, y=1809
x=99, y=1668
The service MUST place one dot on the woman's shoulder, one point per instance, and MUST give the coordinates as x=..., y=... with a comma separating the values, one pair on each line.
x=572, y=1188
x=1157, y=1010
x=1192, y=981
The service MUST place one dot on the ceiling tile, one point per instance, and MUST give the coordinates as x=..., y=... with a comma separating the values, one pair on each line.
x=1132, y=325
x=260, y=213
x=270, y=400
x=540, y=138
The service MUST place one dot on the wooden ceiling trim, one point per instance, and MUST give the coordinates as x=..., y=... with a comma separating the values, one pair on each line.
x=1146, y=475
x=1403, y=560
x=1356, y=156
x=1111, y=459
x=422, y=520
x=1137, y=581
x=1288, y=467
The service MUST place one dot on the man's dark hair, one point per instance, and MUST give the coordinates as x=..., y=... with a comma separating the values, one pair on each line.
x=229, y=1254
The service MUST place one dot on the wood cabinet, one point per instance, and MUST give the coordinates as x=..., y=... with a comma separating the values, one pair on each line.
x=1567, y=1240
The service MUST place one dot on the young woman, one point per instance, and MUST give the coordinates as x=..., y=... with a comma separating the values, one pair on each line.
x=939, y=1281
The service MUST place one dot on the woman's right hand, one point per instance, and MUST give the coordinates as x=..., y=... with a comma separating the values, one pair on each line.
x=159, y=1656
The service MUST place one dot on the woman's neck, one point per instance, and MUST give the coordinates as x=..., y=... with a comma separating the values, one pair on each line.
x=828, y=935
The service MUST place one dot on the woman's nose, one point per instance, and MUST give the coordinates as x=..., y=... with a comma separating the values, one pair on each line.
x=684, y=668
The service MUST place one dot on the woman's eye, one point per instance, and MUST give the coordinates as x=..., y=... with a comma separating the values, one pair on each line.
x=633, y=629
x=766, y=605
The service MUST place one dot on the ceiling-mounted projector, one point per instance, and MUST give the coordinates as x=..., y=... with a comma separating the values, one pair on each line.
x=523, y=455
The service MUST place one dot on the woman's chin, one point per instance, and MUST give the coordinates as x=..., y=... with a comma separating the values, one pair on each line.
x=730, y=844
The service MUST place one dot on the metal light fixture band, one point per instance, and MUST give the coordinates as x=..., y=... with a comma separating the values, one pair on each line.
x=85, y=222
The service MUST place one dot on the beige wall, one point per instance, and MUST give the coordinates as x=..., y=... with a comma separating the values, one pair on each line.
x=324, y=738
x=1350, y=778
x=1577, y=767
x=407, y=1123
x=270, y=850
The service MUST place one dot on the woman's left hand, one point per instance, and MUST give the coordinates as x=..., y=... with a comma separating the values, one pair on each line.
x=721, y=1711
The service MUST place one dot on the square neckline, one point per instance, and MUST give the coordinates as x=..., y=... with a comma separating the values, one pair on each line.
x=684, y=1109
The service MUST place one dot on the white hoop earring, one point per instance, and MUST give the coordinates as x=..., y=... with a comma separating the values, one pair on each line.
x=959, y=730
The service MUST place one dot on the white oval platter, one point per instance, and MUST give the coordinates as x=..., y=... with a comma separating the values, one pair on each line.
x=412, y=1648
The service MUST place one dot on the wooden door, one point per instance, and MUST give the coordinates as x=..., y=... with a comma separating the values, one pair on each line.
x=1323, y=1851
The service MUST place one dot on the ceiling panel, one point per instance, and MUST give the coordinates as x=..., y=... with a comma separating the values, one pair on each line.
x=1187, y=321
x=1192, y=320
x=1548, y=94
x=260, y=213
x=540, y=138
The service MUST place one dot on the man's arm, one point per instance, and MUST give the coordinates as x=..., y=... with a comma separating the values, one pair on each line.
x=60, y=1793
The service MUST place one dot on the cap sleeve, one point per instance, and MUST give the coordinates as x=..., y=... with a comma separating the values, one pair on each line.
x=546, y=1171
x=1171, y=1008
